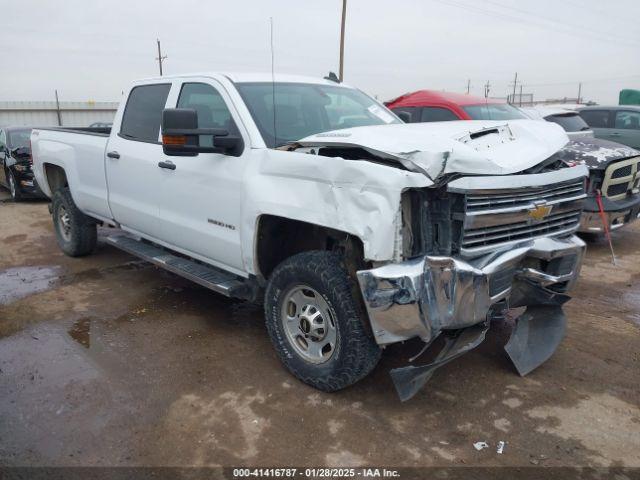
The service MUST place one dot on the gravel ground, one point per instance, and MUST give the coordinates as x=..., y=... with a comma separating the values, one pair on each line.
x=108, y=361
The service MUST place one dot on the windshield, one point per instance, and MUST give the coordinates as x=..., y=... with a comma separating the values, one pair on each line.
x=303, y=109
x=19, y=138
x=493, y=111
x=571, y=122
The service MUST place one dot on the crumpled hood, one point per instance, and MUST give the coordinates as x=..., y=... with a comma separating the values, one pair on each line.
x=596, y=153
x=467, y=147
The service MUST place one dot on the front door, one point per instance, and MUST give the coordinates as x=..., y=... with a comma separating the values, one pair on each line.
x=133, y=177
x=201, y=201
x=626, y=128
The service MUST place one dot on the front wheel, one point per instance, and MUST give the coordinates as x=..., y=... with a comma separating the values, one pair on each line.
x=75, y=232
x=13, y=186
x=314, y=322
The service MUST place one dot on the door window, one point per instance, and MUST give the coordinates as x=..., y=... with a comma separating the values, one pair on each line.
x=143, y=113
x=596, y=118
x=627, y=120
x=437, y=114
x=211, y=107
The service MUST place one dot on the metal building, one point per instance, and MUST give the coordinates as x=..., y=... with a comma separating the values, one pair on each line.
x=50, y=114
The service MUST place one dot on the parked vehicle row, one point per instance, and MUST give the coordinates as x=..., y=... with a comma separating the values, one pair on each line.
x=15, y=163
x=614, y=182
x=356, y=230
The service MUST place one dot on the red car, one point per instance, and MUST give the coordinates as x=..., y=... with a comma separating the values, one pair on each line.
x=434, y=106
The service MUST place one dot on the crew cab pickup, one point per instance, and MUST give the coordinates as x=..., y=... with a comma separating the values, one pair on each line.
x=356, y=230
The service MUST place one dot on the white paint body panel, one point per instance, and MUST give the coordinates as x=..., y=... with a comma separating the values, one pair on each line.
x=174, y=207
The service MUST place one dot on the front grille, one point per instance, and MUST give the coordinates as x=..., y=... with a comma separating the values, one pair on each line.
x=617, y=189
x=622, y=171
x=553, y=224
x=619, y=178
x=514, y=199
x=496, y=215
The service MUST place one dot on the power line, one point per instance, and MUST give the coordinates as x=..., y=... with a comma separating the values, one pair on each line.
x=562, y=24
x=527, y=21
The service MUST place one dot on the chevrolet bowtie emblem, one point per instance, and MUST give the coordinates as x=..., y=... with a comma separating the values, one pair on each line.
x=540, y=211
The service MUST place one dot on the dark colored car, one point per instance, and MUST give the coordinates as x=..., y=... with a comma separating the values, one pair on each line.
x=15, y=163
x=619, y=123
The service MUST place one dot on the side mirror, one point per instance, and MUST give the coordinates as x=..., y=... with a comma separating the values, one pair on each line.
x=181, y=135
x=404, y=116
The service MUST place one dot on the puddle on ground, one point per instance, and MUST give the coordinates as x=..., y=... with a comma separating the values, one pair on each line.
x=81, y=332
x=633, y=298
x=20, y=282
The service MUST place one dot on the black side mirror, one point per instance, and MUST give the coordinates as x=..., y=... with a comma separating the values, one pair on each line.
x=181, y=135
x=404, y=116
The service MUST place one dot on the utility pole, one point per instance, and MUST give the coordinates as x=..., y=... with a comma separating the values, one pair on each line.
x=344, y=18
x=515, y=82
x=579, y=92
x=58, y=110
x=468, y=86
x=160, y=58
x=487, y=89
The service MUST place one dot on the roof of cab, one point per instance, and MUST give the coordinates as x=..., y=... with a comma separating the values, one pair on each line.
x=423, y=98
x=251, y=77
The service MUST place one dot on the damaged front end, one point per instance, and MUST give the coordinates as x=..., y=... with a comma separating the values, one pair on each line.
x=473, y=250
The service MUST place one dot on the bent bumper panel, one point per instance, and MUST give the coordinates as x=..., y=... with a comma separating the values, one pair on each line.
x=424, y=296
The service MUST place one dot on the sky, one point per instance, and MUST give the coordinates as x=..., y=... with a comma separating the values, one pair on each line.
x=90, y=50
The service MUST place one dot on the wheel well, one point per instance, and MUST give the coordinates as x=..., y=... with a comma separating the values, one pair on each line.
x=279, y=238
x=56, y=176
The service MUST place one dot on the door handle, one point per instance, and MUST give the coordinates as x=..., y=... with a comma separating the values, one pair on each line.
x=113, y=154
x=167, y=165
x=615, y=134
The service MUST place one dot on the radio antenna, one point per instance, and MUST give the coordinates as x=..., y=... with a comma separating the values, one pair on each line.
x=273, y=88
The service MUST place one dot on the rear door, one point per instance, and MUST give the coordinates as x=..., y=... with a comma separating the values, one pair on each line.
x=133, y=177
x=201, y=201
x=626, y=127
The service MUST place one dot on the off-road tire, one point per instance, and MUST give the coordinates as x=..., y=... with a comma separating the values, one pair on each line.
x=82, y=236
x=356, y=353
x=15, y=190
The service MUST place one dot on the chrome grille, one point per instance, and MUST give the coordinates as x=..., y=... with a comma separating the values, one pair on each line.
x=514, y=199
x=507, y=210
x=620, y=178
x=553, y=224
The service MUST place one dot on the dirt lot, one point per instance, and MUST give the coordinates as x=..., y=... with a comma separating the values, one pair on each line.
x=108, y=361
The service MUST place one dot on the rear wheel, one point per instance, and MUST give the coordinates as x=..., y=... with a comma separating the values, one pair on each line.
x=314, y=322
x=75, y=232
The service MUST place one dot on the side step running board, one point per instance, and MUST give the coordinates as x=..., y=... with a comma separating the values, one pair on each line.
x=209, y=277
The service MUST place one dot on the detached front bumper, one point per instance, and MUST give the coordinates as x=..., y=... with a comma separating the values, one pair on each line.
x=617, y=213
x=426, y=296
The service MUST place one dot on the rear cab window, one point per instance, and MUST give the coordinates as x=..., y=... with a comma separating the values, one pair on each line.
x=596, y=118
x=143, y=113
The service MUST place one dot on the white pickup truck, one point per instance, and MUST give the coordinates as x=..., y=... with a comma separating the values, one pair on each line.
x=355, y=229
